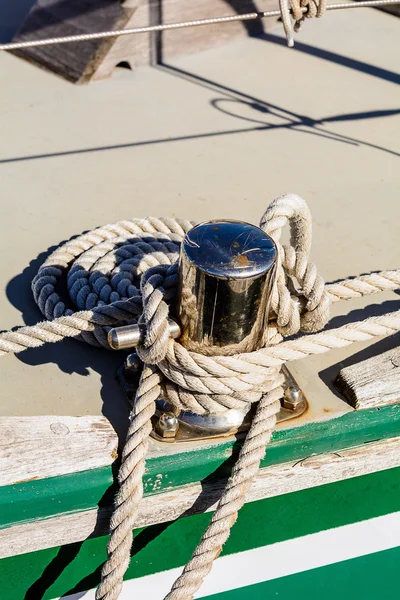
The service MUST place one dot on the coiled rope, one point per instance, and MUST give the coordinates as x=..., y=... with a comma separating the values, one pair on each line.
x=127, y=273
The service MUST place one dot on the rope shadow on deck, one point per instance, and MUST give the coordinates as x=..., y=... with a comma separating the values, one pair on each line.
x=309, y=125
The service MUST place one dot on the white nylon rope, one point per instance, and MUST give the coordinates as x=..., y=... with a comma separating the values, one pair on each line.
x=125, y=273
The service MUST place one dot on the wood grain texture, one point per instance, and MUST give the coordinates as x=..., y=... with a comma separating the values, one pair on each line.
x=198, y=498
x=81, y=62
x=40, y=447
x=77, y=61
x=372, y=382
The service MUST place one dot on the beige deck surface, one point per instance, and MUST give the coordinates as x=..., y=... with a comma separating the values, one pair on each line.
x=220, y=133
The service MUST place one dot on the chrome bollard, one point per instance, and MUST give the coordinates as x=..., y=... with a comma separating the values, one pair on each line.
x=226, y=274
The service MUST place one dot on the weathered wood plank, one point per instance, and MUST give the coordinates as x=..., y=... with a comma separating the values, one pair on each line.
x=40, y=447
x=372, y=382
x=197, y=498
x=77, y=61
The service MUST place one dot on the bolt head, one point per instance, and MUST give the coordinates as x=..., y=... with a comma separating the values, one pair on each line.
x=292, y=398
x=168, y=425
x=133, y=364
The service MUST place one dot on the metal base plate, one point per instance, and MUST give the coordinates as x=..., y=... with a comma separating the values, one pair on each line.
x=189, y=427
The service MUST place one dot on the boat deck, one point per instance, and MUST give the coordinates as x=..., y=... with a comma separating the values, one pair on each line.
x=216, y=134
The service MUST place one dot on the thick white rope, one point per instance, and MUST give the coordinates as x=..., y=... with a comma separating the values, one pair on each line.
x=125, y=273
x=127, y=310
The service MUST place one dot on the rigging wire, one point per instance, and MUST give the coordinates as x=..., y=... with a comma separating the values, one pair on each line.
x=168, y=26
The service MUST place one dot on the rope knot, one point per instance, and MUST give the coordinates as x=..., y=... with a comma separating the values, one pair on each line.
x=306, y=9
x=299, y=10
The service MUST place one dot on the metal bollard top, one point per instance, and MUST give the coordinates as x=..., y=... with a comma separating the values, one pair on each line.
x=230, y=249
x=226, y=276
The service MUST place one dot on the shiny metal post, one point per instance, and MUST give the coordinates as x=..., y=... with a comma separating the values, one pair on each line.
x=226, y=274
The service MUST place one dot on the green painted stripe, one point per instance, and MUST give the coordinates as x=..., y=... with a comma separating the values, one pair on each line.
x=76, y=567
x=371, y=577
x=28, y=501
x=285, y=558
x=44, y=498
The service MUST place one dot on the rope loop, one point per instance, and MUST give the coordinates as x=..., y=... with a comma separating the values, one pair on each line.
x=296, y=275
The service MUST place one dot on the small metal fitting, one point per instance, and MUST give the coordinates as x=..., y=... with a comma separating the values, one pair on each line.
x=292, y=398
x=130, y=336
x=133, y=363
x=167, y=425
